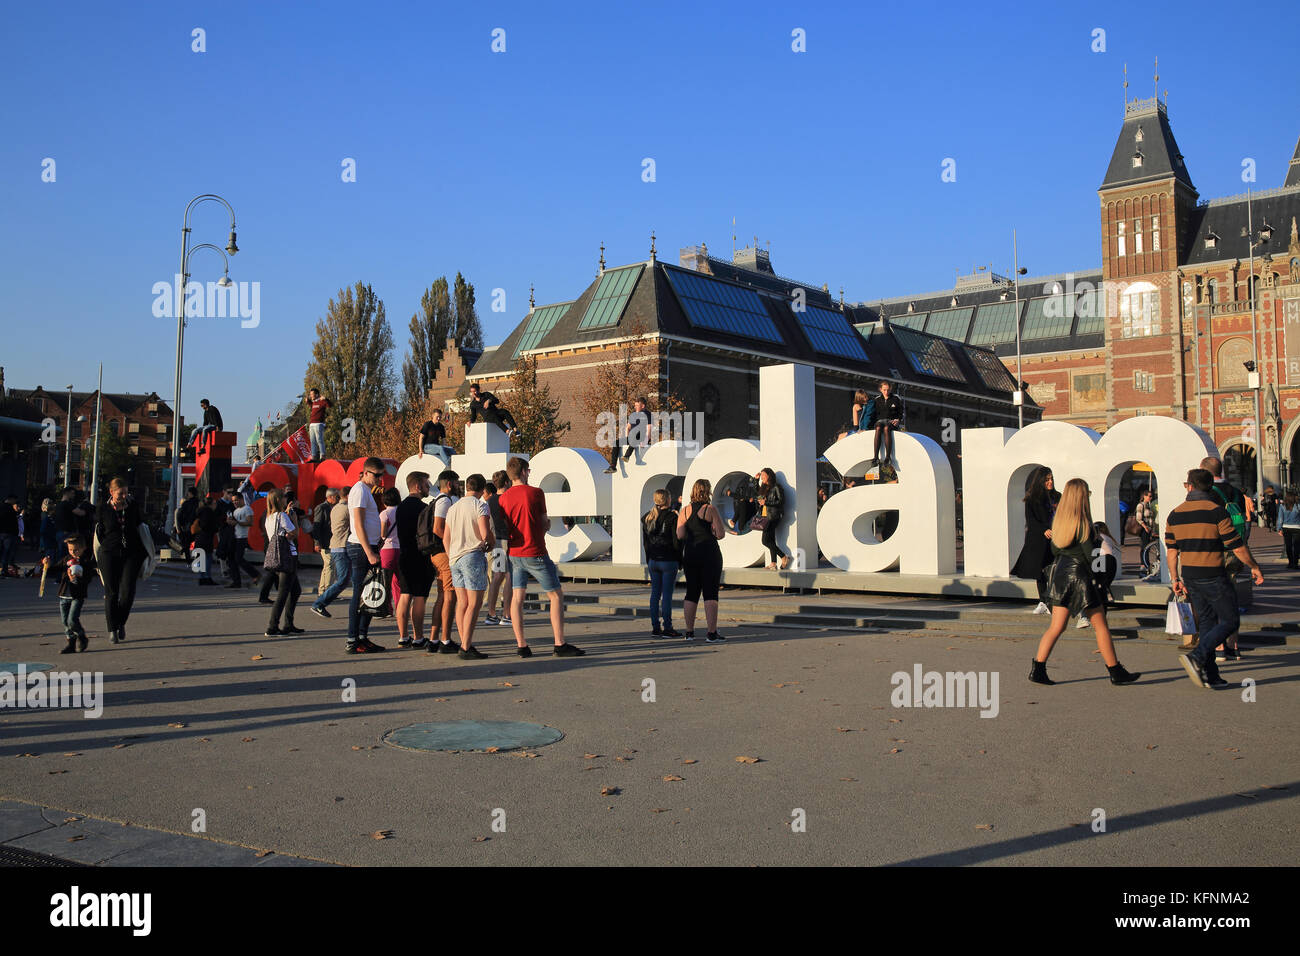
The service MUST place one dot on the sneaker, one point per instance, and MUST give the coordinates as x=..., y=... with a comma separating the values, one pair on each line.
x=473, y=654
x=447, y=647
x=506, y=622
x=1042, y=609
x=420, y=644
x=1082, y=622
x=1213, y=681
x=370, y=646
x=272, y=632
x=404, y=642
x=82, y=641
x=669, y=632
x=432, y=645
x=655, y=632
x=71, y=647
x=1226, y=655
x=320, y=611
x=610, y=470
x=491, y=619
x=1194, y=670
x=688, y=636
x=292, y=630
x=524, y=651
x=713, y=637
x=568, y=650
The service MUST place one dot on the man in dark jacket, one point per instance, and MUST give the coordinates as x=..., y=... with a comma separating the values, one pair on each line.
x=206, y=516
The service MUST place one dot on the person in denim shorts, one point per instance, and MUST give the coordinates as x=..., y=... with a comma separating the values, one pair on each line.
x=525, y=509
x=469, y=537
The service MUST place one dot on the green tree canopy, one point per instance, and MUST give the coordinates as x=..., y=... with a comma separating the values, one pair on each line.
x=351, y=362
x=445, y=312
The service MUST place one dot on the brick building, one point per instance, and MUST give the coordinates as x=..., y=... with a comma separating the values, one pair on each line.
x=1165, y=325
x=711, y=324
x=144, y=421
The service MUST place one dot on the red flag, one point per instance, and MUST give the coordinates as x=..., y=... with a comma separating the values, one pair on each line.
x=296, y=448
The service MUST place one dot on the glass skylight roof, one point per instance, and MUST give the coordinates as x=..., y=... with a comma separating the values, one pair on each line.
x=909, y=320
x=1092, y=313
x=951, y=323
x=723, y=307
x=612, y=293
x=541, y=322
x=992, y=371
x=995, y=324
x=830, y=332
x=1048, y=317
x=929, y=356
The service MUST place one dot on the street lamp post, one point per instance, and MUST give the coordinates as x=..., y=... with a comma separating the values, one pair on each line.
x=1018, y=396
x=67, y=443
x=174, y=494
x=1254, y=368
x=94, y=472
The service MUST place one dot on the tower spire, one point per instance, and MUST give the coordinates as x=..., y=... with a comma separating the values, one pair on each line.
x=602, y=259
x=1156, y=88
x=652, y=245
x=1126, y=87
x=532, y=304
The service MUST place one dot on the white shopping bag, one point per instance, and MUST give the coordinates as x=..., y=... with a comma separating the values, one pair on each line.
x=1179, y=618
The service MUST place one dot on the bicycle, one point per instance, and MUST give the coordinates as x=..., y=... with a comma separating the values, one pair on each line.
x=1150, y=559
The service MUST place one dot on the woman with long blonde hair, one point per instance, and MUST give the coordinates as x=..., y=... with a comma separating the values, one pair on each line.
x=699, y=527
x=1071, y=587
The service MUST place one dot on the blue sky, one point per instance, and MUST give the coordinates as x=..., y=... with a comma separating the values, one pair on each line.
x=513, y=167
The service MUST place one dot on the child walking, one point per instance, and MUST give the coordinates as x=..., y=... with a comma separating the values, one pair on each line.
x=77, y=567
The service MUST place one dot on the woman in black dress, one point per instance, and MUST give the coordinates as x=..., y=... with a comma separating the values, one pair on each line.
x=699, y=526
x=123, y=548
x=1036, y=555
x=772, y=501
x=1071, y=588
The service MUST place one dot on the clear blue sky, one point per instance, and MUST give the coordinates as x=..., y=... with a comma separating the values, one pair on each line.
x=513, y=167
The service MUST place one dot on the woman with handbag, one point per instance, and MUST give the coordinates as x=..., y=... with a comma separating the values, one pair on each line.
x=123, y=551
x=282, y=561
x=772, y=500
x=662, y=555
x=1036, y=555
x=1071, y=587
x=699, y=527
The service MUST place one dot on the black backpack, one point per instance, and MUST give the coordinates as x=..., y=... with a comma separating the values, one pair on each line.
x=428, y=542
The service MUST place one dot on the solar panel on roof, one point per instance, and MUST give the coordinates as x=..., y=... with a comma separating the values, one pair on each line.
x=992, y=371
x=929, y=356
x=541, y=322
x=711, y=304
x=612, y=292
x=830, y=332
x=994, y=323
x=1048, y=317
x=951, y=323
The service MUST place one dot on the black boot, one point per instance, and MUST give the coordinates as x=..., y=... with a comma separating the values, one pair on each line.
x=1120, y=676
x=1038, y=672
x=71, y=648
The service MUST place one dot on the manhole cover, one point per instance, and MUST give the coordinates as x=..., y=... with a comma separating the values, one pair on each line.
x=32, y=667
x=479, y=735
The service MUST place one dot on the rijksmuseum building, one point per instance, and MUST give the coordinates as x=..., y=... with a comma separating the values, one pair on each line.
x=1164, y=327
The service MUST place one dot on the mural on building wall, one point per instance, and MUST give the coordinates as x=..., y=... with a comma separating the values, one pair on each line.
x=1089, y=392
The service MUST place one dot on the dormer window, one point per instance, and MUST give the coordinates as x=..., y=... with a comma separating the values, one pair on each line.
x=1211, y=241
x=953, y=302
x=1266, y=233
x=911, y=307
x=1137, y=159
x=1139, y=135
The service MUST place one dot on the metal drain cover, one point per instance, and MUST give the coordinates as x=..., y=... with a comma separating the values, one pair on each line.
x=476, y=735
x=31, y=667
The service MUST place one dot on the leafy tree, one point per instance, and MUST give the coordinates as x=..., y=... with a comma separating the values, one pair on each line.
x=630, y=371
x=351, y=362
x=115, y=457
x=444, y=313
x=535, y=411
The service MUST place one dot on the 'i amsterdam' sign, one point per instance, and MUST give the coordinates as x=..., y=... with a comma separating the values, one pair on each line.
x=996, y=464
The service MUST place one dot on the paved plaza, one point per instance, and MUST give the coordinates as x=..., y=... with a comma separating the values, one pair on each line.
x=204, y=714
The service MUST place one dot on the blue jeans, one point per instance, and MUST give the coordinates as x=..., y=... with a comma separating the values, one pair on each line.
x=316, y=433
x=358, y=623
x=340, y=564
x=1214, y=601
x=70, y=613
x=663, y=575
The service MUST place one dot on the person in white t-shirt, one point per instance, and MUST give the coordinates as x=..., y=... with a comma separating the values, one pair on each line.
x=468, y=538
x=278, y=522
x=363, y=550
x=242, y=519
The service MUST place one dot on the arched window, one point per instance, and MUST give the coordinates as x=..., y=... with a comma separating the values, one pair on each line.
x=1233, y=355
x=1139, y=310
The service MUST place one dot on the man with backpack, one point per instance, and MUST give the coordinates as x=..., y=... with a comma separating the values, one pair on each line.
x=431, y=528
x=414, y=570
x=1231, y=498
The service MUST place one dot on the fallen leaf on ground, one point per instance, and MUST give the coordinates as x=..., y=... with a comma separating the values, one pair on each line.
x=1232, y=750
x=481, y=839
x=590, y=756
x=849, y=779
x=261, y=853
x=493, y=750
x=843, y=730
x=382, y=834
x=623, y=759
x=660, y=809
x=178, y=725
x=257, y=657
x=1152, y=746
x=610, y=791
x=748, y=759
x=691, y=760
x=74, y=839
x=248, y=740
x=895, y=750
x=506, y=683
x=56, y=771
x=71, y=819
x=72, y=755
x=672, y=777
x=208, y=740
x=895, y=720
x=983, y=826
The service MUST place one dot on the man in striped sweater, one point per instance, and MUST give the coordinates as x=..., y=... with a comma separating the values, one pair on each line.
x=1197, y=533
